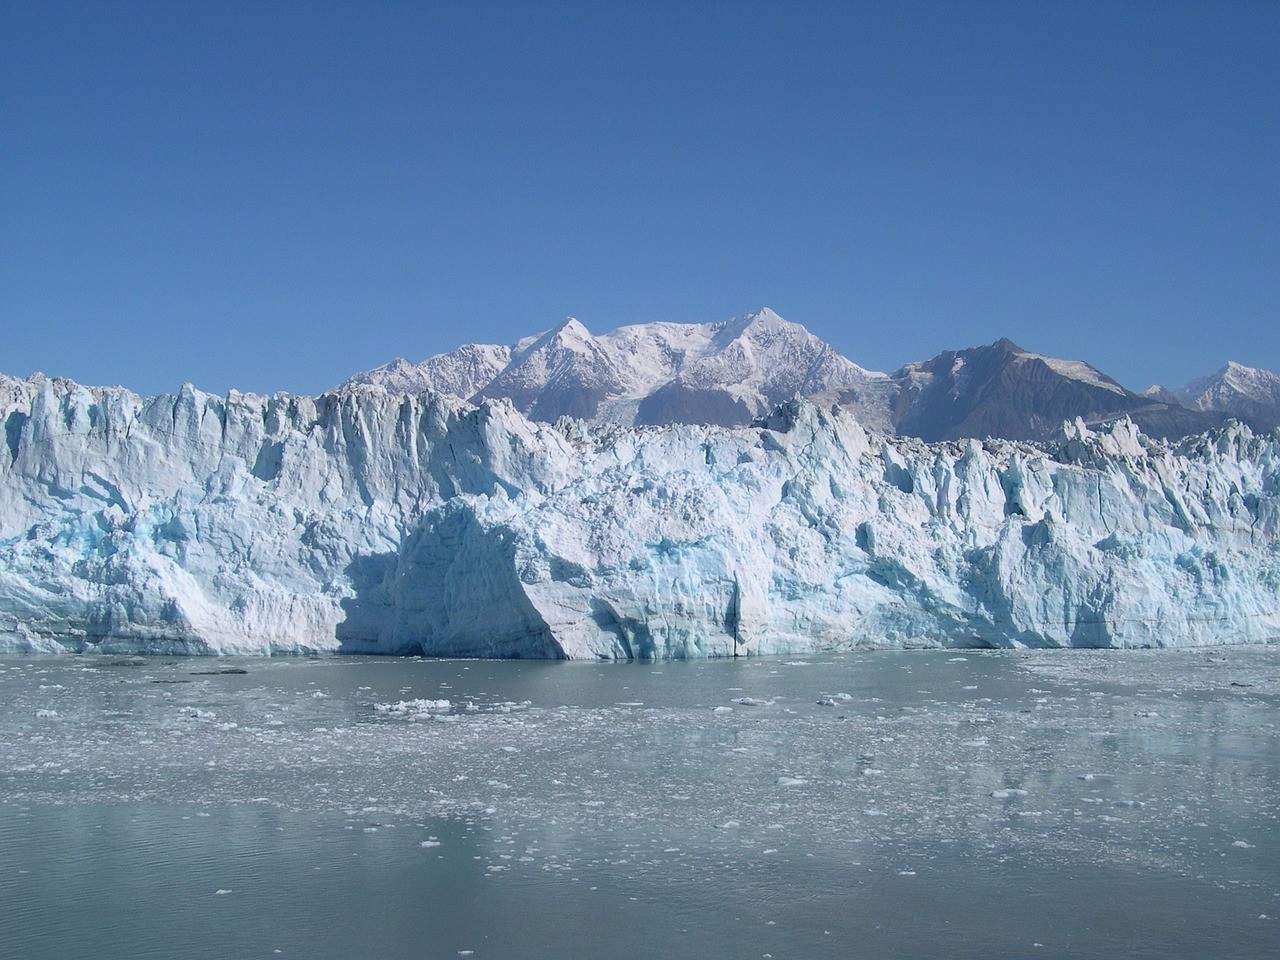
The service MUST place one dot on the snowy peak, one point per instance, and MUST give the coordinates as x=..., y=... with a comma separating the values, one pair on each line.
x=758, y=323
x=1247, y=393
x=1161, y=395
x=774, y=346
x=750, y=364
x=569, y=334
x=723, y=373
x=765, y=318
x=566, y=372
x=1235, y=380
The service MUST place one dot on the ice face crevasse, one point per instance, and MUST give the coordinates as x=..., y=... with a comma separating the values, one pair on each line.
x=366, y=521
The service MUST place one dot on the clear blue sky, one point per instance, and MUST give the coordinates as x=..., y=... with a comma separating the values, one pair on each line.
x=275, y=195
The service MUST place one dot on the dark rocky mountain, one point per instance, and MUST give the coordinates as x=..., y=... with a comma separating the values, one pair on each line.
x=1002, y=390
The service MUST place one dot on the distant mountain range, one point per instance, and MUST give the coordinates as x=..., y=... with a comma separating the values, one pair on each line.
x=732, y=372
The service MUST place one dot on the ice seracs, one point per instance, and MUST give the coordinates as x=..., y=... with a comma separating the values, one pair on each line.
x=369, y=520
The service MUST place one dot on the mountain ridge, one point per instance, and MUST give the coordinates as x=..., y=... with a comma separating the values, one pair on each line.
x=730, y=372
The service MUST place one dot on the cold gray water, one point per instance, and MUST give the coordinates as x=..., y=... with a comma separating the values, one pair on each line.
x=926, y=804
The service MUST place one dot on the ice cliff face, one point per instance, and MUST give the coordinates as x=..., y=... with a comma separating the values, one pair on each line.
x=365, y=521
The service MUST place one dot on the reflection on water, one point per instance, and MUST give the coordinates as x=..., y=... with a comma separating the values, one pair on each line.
x=885, y=804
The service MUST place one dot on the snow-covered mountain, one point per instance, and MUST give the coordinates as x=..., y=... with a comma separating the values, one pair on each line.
x=723, y=373
x=462, y=373
x=365, y=520
x=1245, y=393
x=731, y=372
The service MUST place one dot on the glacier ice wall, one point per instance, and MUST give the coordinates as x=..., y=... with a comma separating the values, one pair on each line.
x=369, y=521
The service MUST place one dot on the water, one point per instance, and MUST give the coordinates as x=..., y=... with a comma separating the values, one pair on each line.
x=929, y=804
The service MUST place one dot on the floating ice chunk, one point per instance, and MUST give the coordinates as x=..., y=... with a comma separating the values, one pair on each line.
x=1005, y=794
x=413, y=707
x=510, y=706
x=1242, y=844
x=428, y=844
x=722, y=710
x=790, y=782
x=754, y=701
x=46, y=714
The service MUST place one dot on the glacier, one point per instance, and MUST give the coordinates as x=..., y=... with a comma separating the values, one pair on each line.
x=369, y=520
